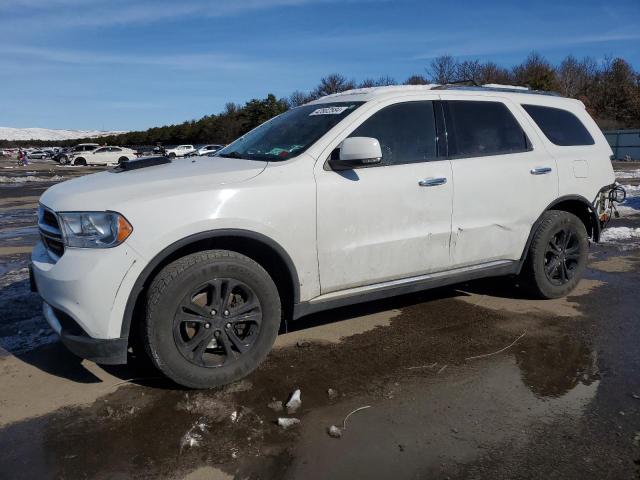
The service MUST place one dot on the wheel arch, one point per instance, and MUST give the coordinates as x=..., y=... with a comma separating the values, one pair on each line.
x=264, y=250
x=575, y=204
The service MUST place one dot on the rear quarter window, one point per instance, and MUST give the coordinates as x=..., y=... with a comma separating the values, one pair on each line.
x=560, y=126
x=479, y=128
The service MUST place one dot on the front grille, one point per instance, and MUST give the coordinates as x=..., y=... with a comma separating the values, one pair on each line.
x=50, y=232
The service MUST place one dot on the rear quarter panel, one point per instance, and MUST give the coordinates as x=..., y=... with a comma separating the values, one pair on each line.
x=584, y=169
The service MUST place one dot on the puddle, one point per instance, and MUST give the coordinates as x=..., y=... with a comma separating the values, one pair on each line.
x=19, y=235
x=418, y=417
x=22, y=326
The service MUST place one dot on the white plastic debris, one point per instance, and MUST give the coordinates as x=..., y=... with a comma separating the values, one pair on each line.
x=332, y=393
x=194, y=436
x=276, y=405
x=294, y=403
x=334, y=431
x=234, y=416
x=287, y=423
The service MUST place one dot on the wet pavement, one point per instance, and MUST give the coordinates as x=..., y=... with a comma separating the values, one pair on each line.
x=446, y=398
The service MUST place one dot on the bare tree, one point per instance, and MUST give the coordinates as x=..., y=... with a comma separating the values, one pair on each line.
x=367, y=83
x=443, y=69
x=416, y=80
x=536, y=72
x=298, y=98
x=469, y=70
x=492, y=73
x=333, y=83
x=384, y=81
x=574, y=76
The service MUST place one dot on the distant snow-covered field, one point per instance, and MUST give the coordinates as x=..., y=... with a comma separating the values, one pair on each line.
x=9, y=133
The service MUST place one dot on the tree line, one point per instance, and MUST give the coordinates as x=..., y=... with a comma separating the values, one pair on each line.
x=610, y=90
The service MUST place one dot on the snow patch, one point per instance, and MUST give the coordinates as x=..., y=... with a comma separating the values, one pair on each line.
x=615, y=234
x=30, y=178
x=9, y=133
x=628, y=174
x=631, y=205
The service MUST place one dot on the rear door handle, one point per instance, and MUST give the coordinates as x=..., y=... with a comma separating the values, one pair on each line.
x=432, y=182
x=540, y=170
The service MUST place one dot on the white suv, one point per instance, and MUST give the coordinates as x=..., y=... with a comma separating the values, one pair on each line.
x=356, y=196
x=180, y=151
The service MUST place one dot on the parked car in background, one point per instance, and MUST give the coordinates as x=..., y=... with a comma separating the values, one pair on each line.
x=81, y=148
x=37, y=155
x=180, y=151
x=397, y=189
x=208, y=149
x=62, y=152
x=107, y=155
x=8, y=152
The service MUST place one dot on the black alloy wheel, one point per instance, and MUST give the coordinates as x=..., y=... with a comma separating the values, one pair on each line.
x=217, y=322
x=562, y=256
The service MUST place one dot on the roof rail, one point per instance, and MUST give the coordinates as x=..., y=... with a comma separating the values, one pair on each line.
x=495, y=87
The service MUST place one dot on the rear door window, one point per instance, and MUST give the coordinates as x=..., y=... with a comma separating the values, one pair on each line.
x=560, y=126
x=476, y=128
x=406, y=132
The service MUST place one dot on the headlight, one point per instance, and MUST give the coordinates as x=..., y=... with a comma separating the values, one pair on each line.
x=94, y=229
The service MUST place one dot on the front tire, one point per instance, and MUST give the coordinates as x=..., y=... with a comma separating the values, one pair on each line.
x=212, y=318
x=557, y=256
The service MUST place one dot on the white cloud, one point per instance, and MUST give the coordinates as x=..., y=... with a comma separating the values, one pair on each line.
x=57, y=14
x=471, y=47
x=177, y=61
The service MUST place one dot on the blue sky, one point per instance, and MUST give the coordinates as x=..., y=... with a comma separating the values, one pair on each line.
x=126, y=64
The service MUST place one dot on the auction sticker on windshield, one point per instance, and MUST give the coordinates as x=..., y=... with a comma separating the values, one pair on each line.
x=330, y=110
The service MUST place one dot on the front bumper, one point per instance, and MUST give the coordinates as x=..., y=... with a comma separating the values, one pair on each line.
x=85, y=293
x=103, y=351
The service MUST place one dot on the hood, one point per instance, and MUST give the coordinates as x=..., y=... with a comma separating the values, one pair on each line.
x=107, y=190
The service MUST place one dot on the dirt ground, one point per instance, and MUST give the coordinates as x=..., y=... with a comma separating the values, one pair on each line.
x=563, y=401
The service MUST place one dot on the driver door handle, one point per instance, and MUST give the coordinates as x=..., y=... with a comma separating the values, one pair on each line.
x=540, y=170
x=432, y=182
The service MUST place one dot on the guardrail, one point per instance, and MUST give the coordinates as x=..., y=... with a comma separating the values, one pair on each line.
x=624, y=143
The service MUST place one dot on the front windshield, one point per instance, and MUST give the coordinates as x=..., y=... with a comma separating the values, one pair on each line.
x=289, y=134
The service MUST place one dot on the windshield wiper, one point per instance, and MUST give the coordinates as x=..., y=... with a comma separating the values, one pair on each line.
x=230, y=155
x=245, y=156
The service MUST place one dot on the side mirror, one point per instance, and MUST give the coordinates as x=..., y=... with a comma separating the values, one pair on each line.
x=357, y=152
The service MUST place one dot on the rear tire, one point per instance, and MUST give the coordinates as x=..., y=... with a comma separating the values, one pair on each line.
x=212, y=318
x=80, y=161
x=557, y=256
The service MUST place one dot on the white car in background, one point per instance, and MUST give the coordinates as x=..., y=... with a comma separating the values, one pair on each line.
x=208, y=149
x=108, y=155
x=37, y=155
x=180, y=151
x=80, y=150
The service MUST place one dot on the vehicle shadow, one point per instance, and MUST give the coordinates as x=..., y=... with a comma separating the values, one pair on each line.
x=368, y=308
x=501, y=287
x=56, y=360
